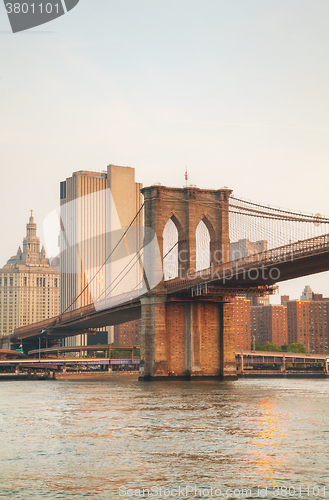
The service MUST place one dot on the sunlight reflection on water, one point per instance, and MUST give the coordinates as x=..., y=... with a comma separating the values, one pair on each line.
x=80, y=439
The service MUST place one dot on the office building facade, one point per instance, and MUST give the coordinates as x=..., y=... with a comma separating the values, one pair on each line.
x=95, y=207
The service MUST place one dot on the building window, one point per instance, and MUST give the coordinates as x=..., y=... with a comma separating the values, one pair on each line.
x=25, y=281
x=63, y=190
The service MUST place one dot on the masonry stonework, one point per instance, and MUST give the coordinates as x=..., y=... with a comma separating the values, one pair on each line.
x=185, y=336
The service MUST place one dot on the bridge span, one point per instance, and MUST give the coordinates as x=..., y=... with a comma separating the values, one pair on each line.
x=255, y=274
x=187, y=327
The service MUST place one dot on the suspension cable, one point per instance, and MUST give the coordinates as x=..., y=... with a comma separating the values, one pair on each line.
x=105, y=261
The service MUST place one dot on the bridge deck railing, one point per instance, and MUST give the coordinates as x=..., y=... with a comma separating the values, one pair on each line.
x=284, y=253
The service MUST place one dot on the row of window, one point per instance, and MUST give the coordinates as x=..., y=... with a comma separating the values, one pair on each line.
x=40, y=281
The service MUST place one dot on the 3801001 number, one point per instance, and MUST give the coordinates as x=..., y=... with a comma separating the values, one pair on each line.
x=24, y=8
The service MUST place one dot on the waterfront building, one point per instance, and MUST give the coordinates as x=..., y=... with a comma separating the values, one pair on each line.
x=256, y=323
x=128, y=333
x=275, y=325
x=298, y=322
x=269, y=324
x=308, y=324
x=241, y=308
x=29, y=286
x=95, y=208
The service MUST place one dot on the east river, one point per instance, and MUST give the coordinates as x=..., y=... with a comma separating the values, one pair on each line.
x=109, y=439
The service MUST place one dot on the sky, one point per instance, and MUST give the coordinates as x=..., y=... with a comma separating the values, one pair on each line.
x=234, y=90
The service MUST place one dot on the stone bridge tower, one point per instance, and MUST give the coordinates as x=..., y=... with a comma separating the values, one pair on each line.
x=184, y=336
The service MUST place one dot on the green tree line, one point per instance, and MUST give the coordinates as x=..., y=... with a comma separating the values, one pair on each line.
x=271, y=346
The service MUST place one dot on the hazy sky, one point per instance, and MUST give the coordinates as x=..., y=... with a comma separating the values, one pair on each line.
x=237, y=90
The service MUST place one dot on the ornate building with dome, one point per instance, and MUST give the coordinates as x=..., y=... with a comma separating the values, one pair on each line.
x=29, y=286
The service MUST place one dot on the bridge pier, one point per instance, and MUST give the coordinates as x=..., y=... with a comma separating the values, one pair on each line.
x=154, y=362
x=187, y=338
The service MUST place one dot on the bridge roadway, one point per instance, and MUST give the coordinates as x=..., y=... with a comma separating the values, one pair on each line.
x=5, y=354
x=79, y=321
x=300, y=363
x=291, y=261
x=242, y=358
x=277, y=357
x=256, y=272
x=86, y=348
x=64, y=362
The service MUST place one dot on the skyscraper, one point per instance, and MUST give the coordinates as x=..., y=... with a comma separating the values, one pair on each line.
x=95, y=208
x=29, y=286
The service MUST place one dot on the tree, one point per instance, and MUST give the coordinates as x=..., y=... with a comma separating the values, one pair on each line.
x=271, y=346
x=284, y=348
x=258, y=347
x=295, y=347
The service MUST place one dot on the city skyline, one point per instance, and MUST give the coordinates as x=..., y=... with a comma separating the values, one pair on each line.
x=235, y=93
x=205, y=100
x=293, y=288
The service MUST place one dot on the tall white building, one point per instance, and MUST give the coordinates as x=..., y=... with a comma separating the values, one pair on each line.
x=243, y=248
x=29, y=286
x=96, y=207
x=307, y=293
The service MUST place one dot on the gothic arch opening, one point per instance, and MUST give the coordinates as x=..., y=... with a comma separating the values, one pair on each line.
x=170, y=250
x=202, y=237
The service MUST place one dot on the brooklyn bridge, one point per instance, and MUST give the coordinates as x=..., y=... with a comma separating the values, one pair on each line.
x=183, y=275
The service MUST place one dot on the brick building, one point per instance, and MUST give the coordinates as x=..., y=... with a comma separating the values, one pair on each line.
x=241, y=310
x=308, y=324
x=284, y=299
x=269, y=324
x=256, y=323
x=275, y=324
x=128, y=333
x=264, y=300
